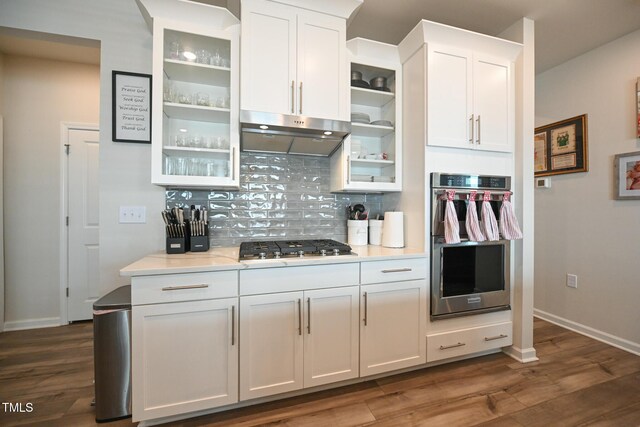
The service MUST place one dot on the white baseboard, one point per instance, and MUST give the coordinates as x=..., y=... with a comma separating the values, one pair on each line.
x=45, y=322
x=601, y=336
x=521, y=355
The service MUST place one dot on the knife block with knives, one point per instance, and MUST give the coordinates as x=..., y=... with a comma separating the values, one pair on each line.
x=187, y=230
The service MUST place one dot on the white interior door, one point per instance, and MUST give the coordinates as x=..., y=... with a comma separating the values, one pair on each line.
x=83, y=223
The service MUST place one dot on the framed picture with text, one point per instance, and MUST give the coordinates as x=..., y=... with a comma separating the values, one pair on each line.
x=561, y=147
x=131, y=107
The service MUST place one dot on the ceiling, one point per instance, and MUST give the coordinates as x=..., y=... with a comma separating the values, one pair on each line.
x=564, y=28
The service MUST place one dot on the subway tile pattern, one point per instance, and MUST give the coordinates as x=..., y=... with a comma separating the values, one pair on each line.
x=280, y=197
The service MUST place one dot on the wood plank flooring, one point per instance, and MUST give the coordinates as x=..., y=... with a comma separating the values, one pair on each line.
x=576, y=382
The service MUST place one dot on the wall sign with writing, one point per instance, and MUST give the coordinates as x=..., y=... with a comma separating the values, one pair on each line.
x=131, y=100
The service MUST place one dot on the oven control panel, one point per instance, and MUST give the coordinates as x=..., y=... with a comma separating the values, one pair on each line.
x=446, y=180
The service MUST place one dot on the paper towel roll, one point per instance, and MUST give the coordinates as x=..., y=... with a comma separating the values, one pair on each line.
x=393, y=230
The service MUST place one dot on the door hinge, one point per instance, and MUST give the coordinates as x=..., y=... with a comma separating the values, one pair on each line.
x=67, y=148
x=67, y=221
x=67, y=292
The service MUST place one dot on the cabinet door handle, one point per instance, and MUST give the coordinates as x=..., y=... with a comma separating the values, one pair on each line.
x=497, y=337
x=300, y=94
x=365, y=308
x=233, y=164
x=396, y=270
x=478, y=126
x=233, y=325
x=348, y=169
x=309, y=315
x=471, y=129
x=299, y=316
x=293, y=96
x=180, y=288
x=444, y=347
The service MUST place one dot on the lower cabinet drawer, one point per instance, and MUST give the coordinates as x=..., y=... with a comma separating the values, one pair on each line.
x=393, y=270
x=183, y=287
x=466, y=341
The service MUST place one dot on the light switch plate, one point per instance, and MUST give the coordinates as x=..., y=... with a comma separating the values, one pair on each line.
x=133, y=215
x=572, y=280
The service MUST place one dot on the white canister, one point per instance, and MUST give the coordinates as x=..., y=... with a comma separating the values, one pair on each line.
x=375, y=231
x=357, y=232
x=393, y=232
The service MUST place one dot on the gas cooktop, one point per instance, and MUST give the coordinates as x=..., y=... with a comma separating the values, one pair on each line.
x=274, y=249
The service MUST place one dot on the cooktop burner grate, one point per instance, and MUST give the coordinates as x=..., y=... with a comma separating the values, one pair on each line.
x=290, y=248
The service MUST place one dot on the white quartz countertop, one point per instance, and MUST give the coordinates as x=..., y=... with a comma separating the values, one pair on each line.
x=218, y=259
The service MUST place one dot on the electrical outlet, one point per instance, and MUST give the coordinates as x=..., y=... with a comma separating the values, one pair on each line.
x=572, y=280
x=133, y=214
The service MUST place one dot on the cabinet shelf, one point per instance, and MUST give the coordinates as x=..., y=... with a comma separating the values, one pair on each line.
x=197, y=113
x=197, y=73
x=372, y=163
x=212, y=153
x=363, y=129
x=370, y=97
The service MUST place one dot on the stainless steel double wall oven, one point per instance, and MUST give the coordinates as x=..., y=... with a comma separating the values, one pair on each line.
x=467, y=277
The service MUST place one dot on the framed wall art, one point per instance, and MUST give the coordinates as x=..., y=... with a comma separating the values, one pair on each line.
x=131, y=107
x=627, y=179
x=561, y=147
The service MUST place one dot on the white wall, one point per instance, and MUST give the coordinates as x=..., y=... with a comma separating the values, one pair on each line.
x=579, y=227
x=39, y=94
x=1, y=195
x=125, y=170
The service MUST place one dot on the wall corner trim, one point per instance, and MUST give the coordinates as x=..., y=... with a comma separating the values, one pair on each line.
x=526, y=355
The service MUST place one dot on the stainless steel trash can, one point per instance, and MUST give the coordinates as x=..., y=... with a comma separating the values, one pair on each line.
x=112, y=354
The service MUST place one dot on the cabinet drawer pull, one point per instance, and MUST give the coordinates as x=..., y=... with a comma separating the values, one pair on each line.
x=365, y=308
x=299, y=316
x=397, y=270
x=471, y=129
x=478, y=135
x=180, y=288
x=498, y=337
x=293, y=96
x=348, y=169
x=233, y=325
x=444, y=347
x=233, y=163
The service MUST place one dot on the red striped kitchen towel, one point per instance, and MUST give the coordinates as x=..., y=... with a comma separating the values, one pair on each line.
x=489, y=223
x=451, y=226
x=471, y=222
x=509, y=226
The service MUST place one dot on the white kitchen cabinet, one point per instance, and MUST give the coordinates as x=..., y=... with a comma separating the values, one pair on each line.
x=184, y=357
x=195, y=134
x=470, y=98
x=294, y=340
x=293, y=61
x=370, y=159
x=392, y=330
x=460, y=342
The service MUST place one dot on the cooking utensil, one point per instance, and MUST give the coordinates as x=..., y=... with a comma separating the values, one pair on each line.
x=386, y=123
x=356, y=75
x=379, y=83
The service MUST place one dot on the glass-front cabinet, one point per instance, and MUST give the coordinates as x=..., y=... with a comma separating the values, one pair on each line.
x=195, y=105
x=371, y=156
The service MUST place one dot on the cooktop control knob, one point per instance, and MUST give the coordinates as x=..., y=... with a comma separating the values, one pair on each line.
x=262, y=255
x=277, y=254
x=323, y=252
x=300, y=254
x=336, y=251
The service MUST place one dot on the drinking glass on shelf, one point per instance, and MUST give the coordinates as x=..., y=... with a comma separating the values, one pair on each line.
x=203, y=56
x=185, y=98
x=202, y=99
x=174, y=50
x=215, y=58
x=169, y=93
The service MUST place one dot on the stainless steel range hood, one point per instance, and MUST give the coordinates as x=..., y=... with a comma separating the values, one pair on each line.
x=281, y=133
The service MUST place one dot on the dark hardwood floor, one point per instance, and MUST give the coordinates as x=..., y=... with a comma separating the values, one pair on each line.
x=576, y=382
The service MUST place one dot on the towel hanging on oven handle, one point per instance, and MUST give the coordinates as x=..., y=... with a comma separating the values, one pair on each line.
x=489, y=223
x=471, y=221
x=509, y=226
x=451, y=225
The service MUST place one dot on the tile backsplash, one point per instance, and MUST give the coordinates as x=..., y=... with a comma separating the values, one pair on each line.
x=280, y=197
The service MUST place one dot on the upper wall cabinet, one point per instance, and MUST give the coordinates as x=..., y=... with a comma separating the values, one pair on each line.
x=472, y=97
x=370, y=158
x=293, y=61
x=470, y=86
x=195, y=95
